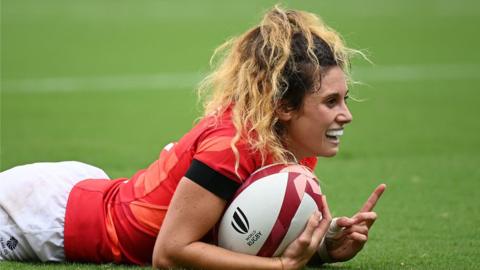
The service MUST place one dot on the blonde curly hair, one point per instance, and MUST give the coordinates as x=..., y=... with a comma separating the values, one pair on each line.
x=271, y=66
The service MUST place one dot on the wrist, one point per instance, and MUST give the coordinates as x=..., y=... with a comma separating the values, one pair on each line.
x=285, y=263
x=282, y=267
x=322, y=251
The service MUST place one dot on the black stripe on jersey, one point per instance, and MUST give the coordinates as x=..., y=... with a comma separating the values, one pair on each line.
x=212, y=180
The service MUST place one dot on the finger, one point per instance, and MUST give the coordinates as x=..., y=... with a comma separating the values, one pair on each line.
x=324, y=224
x=345, y=222
x=325, y=209
x=320, y=232
x=305, y=238
x=360, y=217
x=372, y=200
x=358, y=237
x=367, y=218
x=362, y=229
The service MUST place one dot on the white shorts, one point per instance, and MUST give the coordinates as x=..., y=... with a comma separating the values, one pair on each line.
x=33, y=199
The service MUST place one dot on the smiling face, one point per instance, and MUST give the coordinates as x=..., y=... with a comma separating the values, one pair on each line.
x=315, y=129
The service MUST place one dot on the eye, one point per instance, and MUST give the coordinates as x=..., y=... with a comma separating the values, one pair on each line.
x=331, y=102
x=346, y=98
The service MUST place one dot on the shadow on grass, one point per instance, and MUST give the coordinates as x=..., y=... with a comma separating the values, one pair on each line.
x=7, y=265
x=337, y=266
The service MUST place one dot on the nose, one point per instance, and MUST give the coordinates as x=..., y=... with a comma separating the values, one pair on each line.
x=344, y=116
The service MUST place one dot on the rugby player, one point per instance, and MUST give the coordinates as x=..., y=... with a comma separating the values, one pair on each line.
x=279, y=94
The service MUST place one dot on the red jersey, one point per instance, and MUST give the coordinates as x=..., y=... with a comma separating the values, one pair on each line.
x=118, y=220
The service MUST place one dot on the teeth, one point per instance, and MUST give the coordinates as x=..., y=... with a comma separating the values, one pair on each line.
x=335, y=132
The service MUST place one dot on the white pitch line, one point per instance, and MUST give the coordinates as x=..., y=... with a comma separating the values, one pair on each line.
x=188, y=80
x=161, y=81
x=408, y=73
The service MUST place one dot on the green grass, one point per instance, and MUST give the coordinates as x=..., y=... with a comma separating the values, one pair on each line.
x=417, y=130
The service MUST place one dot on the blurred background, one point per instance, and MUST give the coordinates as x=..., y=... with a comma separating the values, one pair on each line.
x=111, y=82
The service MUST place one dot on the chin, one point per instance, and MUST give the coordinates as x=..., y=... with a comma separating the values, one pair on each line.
x=329, y=153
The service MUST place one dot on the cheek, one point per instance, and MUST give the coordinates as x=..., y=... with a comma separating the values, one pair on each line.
x=301, y=130
x=320, y=117
x=312, y=128
x=312, y=124
x=325, y=117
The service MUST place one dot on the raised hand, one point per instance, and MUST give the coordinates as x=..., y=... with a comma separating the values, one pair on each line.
x=347, y=236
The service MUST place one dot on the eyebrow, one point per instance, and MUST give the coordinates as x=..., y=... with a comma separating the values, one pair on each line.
x=337, y=93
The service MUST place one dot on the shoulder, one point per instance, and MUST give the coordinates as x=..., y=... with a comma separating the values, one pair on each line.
x=216, y=149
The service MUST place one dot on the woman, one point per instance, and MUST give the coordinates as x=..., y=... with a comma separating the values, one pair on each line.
x=278, y=95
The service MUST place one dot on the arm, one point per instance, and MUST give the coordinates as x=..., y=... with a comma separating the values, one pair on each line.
x=193, y=212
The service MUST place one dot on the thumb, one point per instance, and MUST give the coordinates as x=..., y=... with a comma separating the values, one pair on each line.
x=312, y=224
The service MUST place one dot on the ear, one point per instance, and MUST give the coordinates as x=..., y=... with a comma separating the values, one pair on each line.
x=284, y=114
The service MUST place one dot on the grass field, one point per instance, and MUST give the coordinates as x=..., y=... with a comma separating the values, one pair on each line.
x=111, y=82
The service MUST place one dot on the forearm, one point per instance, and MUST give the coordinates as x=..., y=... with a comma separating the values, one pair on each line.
x=201, y=255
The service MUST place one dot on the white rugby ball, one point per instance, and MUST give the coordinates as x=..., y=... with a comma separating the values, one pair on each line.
x=270, y=210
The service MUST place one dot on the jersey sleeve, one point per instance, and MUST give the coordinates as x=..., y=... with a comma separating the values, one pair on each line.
x=213, y=164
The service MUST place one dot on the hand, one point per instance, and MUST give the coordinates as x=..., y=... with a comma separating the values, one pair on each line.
x=299, y=252
x=352, y=233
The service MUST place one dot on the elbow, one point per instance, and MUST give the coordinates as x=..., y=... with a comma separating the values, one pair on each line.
x=162, y=260
x=162, y=263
